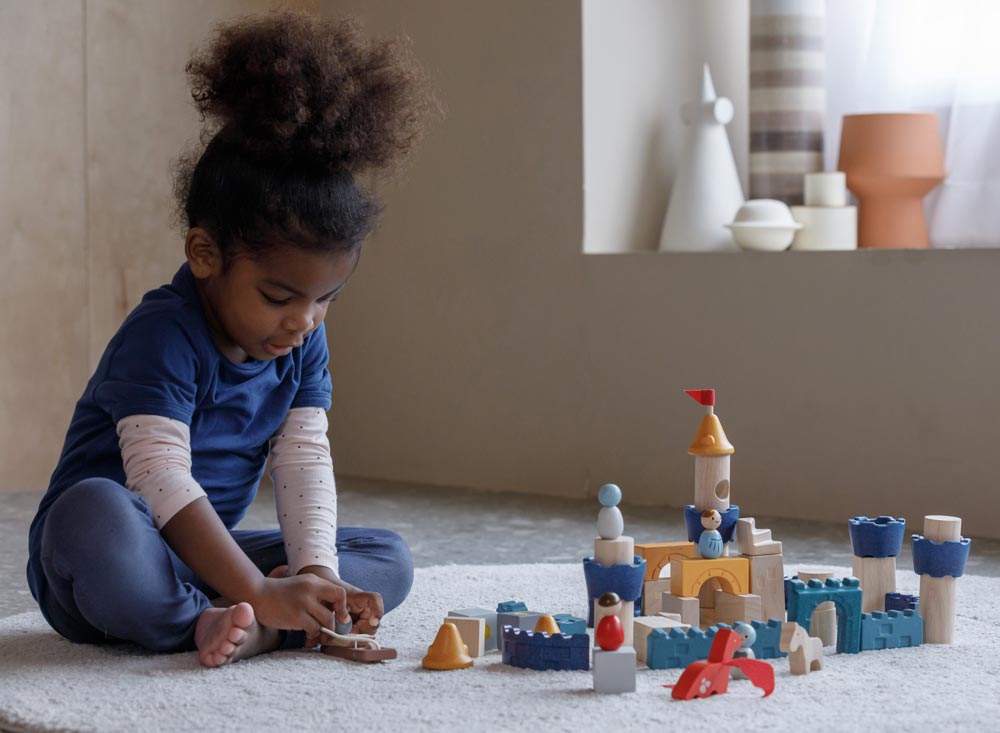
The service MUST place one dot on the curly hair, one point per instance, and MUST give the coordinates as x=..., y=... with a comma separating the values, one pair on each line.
x=295, y=108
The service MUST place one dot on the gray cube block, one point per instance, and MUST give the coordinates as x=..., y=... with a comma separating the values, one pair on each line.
x=490, y=617
x=614, y=672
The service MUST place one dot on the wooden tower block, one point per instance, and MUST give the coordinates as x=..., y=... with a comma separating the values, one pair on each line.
x=687, y=575
x=614, y=552
x=878, y=577
x=652, y=596
x=645, y=624
x=659, y=554
x=937, y=595
x=473, y=633
x=753, y=541
x=731, y=608
x=767, y=580
x=823, y=624
x=711, y=483
x=688, y=608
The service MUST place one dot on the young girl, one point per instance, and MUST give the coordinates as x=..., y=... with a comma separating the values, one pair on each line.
x=134, y=539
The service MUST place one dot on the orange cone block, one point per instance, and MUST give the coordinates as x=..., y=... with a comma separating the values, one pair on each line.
x=547, y=625
x=448, y=651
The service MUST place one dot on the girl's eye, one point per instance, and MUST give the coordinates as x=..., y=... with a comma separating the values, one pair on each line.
x=274, y=301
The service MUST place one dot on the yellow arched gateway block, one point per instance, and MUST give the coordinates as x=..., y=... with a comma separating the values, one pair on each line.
x=687, y=575
x=658, y=554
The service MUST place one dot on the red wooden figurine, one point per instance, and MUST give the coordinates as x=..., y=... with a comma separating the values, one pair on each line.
x=711, y=676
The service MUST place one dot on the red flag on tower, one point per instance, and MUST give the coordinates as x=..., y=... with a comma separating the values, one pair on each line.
x=702, y=396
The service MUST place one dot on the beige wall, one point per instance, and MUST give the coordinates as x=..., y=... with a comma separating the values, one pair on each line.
x=93, y=110
x=641, y=60
x=477, y=345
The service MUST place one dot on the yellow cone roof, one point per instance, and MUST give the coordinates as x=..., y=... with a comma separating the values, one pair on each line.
x=711, y=439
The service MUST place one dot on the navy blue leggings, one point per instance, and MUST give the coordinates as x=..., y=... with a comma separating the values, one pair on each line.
x=105, y=574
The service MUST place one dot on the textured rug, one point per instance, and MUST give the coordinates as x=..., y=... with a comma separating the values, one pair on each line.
x=48, y=684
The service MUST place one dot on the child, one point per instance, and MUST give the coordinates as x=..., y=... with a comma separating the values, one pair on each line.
x=134, y=539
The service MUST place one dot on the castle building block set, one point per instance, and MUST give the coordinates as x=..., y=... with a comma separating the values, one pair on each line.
x=719, y=612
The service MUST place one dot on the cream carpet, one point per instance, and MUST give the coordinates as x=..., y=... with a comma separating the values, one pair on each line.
x=48, y=684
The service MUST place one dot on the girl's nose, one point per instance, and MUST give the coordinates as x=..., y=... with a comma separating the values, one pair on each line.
x=298, y=322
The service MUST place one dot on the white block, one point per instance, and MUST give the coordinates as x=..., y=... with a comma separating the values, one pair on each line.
x=826, y=189
x=826, y=229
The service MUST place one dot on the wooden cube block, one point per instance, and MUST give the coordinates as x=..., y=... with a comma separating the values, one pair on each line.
x=473, y=633
x=652, y=592
x=688, y=608
x=491, y=632
x=614, y=672
x=767, y=580
x=731, y=608
x=645, y=624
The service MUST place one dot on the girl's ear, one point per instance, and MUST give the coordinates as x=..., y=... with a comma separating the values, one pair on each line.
x=203, y=254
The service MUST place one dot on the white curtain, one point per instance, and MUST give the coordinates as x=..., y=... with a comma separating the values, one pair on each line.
x=939, y=56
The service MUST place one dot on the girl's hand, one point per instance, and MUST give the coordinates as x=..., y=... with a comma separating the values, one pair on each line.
x=302, y=602
x=365, y=607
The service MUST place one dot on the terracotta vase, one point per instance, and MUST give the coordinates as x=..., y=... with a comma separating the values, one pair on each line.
x=892, y=161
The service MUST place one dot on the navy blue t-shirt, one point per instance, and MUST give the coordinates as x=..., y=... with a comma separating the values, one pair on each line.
x=163, y=361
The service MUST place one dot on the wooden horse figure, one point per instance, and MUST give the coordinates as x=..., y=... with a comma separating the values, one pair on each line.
x=805, y=653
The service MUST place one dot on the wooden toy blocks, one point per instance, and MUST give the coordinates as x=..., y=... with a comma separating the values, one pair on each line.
x=644, y=625
x=516, y=619
x=687, y=575
x=767, y=580
x=891, y=630
x=805, y=653
x=528, y=650
x=708, y=677
x=846, y=595
x=473, y=633
x=688, y=608
x=939, y=557
x=448, y=651
x=614, y=551
x=652, y=596
x=614, y=671
x=823, y=624
x=659, y=554
x=752, y=541
x=491, y=632
x=731, y=608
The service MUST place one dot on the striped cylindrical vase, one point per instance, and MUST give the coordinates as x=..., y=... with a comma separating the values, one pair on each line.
x=787, y=96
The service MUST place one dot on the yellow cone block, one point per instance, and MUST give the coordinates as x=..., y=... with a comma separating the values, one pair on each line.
x=448, y=651
x=547, y=625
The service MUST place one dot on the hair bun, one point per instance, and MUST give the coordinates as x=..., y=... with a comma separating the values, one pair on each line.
x=292, y=88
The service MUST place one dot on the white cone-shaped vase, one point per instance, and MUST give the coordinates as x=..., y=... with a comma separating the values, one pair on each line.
x=706, y=193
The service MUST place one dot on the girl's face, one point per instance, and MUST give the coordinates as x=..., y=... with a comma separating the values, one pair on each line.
x=265, y=306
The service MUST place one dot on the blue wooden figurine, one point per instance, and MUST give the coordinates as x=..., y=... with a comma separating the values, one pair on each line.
x=710, y=543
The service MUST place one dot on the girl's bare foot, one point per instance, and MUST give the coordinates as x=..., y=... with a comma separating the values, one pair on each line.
x=224, y=635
